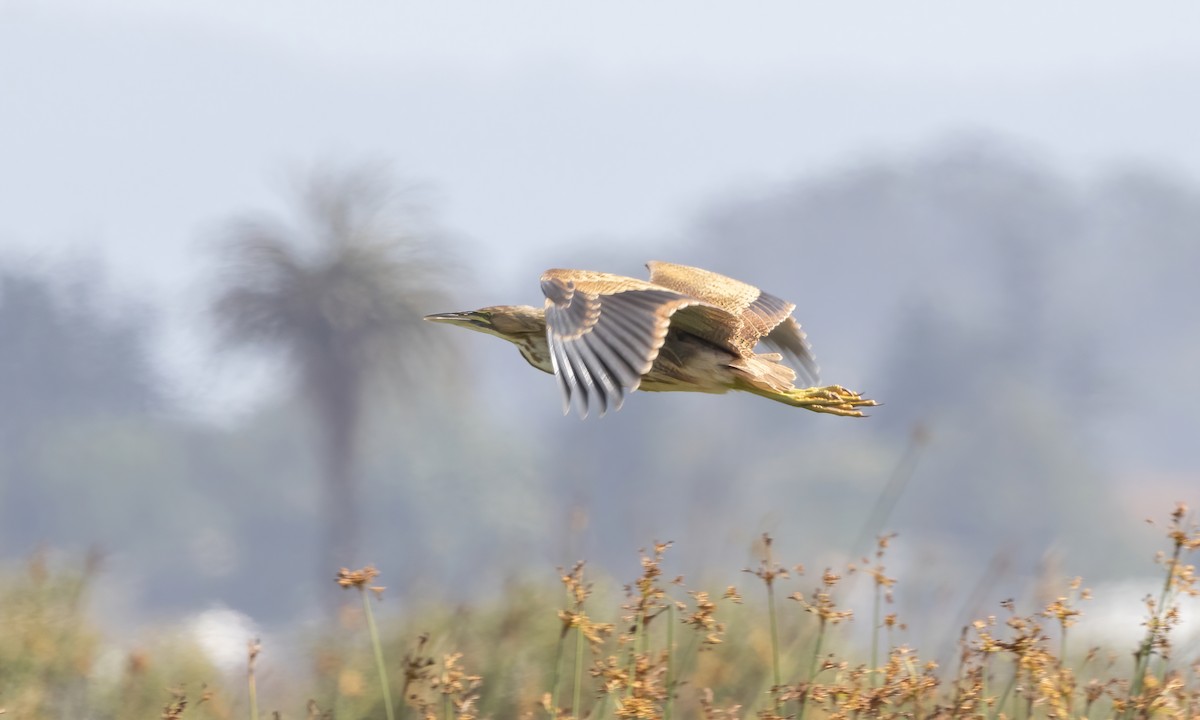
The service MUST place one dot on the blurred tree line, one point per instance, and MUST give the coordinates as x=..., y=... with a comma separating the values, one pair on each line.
x=1040, y=330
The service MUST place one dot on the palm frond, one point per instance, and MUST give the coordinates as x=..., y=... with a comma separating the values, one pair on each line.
x=347, y=288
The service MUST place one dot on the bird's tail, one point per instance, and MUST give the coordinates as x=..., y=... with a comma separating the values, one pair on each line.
x=764, y=374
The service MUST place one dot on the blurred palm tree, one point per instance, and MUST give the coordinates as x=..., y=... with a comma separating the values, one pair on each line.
x=339, y=297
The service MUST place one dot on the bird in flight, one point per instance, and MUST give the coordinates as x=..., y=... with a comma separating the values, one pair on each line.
x=685, y=329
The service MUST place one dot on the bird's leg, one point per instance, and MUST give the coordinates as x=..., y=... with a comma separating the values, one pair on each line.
x=832, y=399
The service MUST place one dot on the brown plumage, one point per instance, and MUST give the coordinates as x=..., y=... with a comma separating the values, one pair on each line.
x=685, y=329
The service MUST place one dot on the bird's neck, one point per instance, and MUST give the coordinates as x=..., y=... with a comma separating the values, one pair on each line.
x=536, y=351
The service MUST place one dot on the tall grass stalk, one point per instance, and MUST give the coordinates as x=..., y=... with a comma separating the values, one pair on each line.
x=985, y=674
x=776, y=676
x=767, y=571
x=812, y=665
x=1154, y=627
x=816, y=653
x=875, y=624
x=669, y=710
x=253, y=648
x=576, y=699
x=601, y=708
x=1012, y=681
x=378, y=647
x=644, y=637
x=633, y=653
x=560, y=646
x=556, y=682
x=1062, y=648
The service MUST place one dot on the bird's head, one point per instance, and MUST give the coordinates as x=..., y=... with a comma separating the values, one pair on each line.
x=511, y=322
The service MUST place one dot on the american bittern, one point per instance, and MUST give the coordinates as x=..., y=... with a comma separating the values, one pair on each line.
x=685, y=329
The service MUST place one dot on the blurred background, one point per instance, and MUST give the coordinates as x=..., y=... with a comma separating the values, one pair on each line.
x=221, y=221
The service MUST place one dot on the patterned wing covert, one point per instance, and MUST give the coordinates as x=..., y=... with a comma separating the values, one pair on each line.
x=763, y=316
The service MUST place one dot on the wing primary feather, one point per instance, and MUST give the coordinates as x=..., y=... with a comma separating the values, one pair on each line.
x=641, y=341
x=558, y=375
x=588, y=387
x=599, y=371
x=615, y=367
x=565, y=372
x=637, y=322
x=639, y=318
x=587, y=369
x=641, y=336
x=608, y=348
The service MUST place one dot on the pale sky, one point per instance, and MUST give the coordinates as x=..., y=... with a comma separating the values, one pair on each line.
x=131, y=129
x=539, y=123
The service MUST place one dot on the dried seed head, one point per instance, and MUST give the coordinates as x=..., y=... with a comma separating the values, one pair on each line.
x=348, y=578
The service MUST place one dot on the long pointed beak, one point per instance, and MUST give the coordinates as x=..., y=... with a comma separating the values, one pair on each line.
x=470, y=318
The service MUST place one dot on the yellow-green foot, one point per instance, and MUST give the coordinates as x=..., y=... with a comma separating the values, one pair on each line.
x=832, y=399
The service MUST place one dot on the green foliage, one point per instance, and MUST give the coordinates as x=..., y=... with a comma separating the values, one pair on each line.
x=55, y=664
x=48, y=649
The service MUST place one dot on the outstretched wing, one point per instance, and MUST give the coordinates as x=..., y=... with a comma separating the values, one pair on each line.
x=604, y=333
x=763, y=316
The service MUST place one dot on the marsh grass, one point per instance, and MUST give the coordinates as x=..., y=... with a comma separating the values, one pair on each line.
x=670, y=651
x=360, y=580
x=253, y=648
